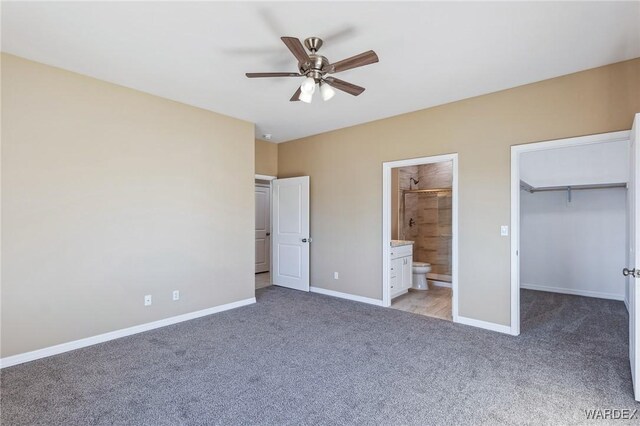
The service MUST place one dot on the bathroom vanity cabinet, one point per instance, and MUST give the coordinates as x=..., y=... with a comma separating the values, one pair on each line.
x=401, y=273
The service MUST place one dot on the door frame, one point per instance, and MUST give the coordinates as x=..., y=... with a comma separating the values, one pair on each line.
x=267, y=178
x=266, y=186
x=386, y=223
x=516, y=151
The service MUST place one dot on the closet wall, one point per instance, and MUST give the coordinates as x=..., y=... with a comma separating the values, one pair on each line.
x=575, y=247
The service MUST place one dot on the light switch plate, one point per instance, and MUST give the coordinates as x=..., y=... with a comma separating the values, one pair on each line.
x=504, y=231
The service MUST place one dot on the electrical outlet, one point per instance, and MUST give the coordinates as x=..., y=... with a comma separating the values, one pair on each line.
x=504, y=231
x=336, y=276
x=147, y=300
x=176, y=295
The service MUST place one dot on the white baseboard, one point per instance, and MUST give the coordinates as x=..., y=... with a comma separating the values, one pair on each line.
x=347, y=296
x=484, y=324
x=586, y=293
x=440, y=283
x=100, y=338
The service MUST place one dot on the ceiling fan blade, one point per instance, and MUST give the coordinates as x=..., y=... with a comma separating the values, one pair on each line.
x=296, y=47
x=360, y=60
x=272, y=74
x=296, y=96
x=351, y=89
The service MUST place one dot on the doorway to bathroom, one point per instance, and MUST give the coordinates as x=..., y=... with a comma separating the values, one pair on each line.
x=420, y=236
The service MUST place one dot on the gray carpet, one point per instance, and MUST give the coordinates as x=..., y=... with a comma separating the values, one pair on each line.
x=298, y=358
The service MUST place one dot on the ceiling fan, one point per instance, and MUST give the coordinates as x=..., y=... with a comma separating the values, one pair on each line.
x=316, y=67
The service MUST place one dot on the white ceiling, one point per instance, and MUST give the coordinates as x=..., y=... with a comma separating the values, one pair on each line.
x=593, y=164
x=430, y=53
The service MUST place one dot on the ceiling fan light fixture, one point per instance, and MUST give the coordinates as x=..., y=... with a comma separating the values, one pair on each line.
x=314, y=68
x=326, y=91
x=306, y=97
x=308, y=86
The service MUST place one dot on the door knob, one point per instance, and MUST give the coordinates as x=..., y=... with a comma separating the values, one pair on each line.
x=268, y=233
x=626, y=272
x=304, y=240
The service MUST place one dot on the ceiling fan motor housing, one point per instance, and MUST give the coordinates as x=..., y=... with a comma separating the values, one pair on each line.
x=315, y=68
x=317, y=65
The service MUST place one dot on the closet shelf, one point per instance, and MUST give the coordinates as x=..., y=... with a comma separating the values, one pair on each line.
x=532, y=189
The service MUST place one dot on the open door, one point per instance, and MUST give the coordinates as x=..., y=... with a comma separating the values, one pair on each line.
x=263, y=224
x=632, y=270
x=290, y=236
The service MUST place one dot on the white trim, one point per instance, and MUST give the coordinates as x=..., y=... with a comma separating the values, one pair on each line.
x=100, y=338
x=626, y=295
x=270, y=186
x=622, y=135
x=347, y=296
x=386, y=223
x=265, y=177
x=515, y=241
x=585, y=293
x=484, y=324
x=516, y=150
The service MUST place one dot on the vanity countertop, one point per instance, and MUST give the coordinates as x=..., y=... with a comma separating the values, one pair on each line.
x=398, y=243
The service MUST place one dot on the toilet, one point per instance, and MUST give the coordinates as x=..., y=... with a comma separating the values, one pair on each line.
x=420, y=270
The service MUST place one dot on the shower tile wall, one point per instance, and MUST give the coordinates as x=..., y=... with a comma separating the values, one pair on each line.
x=411, y=203
x=431, y=213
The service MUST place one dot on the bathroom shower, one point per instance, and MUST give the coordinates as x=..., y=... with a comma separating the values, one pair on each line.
x=426, y=220
x=424, y=207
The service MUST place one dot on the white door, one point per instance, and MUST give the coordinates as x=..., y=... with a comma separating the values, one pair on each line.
x=263, y=224
x=632, y=270
x=290, y=236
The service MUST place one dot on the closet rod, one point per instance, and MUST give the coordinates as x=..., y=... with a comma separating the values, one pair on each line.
x=576, y=187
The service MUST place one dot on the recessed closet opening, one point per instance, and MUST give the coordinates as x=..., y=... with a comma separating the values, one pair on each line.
x=571, y=234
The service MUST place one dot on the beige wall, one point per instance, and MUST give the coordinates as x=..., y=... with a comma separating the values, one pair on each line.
x=345, y=167
x=266, y=158
x=109, y=194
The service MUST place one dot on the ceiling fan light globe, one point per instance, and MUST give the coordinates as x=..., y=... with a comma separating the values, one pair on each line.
x=308, y=86
x=306, y=97
x=326, y=92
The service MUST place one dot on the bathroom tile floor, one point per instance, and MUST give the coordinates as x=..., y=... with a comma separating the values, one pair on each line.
x=263, y=279
x=435, y=302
